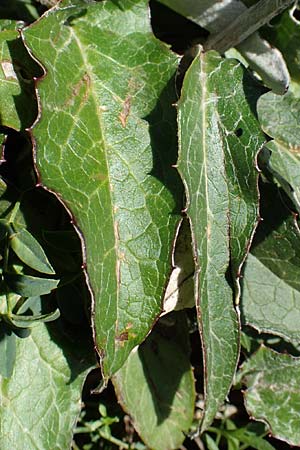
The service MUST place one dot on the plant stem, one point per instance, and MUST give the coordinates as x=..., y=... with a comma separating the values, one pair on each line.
x=246, y=24
x=115, y=441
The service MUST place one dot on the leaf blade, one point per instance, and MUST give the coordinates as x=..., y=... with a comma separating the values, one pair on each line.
x=216, y=162
x=128, y=257
x=28, y=249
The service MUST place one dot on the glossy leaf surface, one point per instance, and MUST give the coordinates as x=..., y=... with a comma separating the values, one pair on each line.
x=219, y=139
x=105, y=143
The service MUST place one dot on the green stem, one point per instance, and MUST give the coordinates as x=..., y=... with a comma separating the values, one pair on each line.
x=246, y=24
x=115, y=441
x=5, y=266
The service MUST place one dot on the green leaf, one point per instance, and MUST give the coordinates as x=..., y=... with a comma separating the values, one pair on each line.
x=28, y=249
x=17, y=97
x=28, y=286
x=106, y=142
x=41, y=401
x=279, y=117
x=211, y=444
x=34, y=304
x=271, y=280
x=219, y=139
x=156, y=385
x=7, y=350
x=250, y=438
x=21, y=321
x=273, y=395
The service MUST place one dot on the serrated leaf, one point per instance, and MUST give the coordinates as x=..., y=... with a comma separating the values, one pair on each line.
x=28, y=286
x=273, y=395
x=41, y=401
x=7, y=350
x=106, y=143
x=219, y=138
x=17, y=99
x=28, y=249
x=271, y=286
x=156, y=385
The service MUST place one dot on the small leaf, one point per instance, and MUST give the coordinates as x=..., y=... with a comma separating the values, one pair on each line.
x=273, y=394
x=28, y=286
x=28, y=249
x=21, y=321
x=156, y=386
x=211, y=444
x=7, y=350
x=32, y=303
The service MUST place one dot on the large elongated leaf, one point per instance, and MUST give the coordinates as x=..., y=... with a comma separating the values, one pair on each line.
x=30, y=251
x=105, y=144
x=273, y=393
x=219, y=139
x=156, y=385
x=42, y=399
